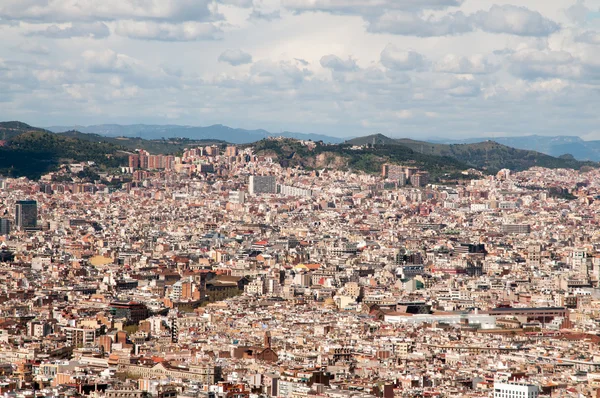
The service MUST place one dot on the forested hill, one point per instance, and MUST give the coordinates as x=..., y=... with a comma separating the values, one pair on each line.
x=488, y=155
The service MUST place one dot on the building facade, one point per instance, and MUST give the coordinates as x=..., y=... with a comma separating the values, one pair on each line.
x=26, y=214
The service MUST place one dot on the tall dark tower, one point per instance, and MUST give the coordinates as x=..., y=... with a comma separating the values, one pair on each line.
x=5, y=226
x=26, y=214
x=267, y=343
x=174, y=330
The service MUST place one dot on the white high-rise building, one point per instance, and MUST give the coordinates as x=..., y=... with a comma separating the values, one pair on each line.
x=237, y=197
x=515, y=390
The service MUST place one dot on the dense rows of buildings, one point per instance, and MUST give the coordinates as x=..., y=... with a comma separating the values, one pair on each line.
x=219, y=273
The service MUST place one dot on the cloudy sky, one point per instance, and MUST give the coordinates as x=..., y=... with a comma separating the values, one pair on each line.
x=405, y=68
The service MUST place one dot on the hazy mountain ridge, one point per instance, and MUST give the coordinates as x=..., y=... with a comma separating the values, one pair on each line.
x=30, y=151
x=550, y=145
x=216, y=131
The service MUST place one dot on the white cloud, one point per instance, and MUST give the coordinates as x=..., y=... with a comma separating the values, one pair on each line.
x=264, y=15
x=125, y=92
x=589, y=37
x=534, y=64
x=553, y=86
x=49, y=75
x=474, y=64
x=238, y=3
x=367, y=6
x=395, y=58
x=577, y=12
x=279, y=76
x=438, y=66
x=31, y=47
x=185, y=31
x=235, y=57
x=514, y=20
x=404, y=114
x=108, y=61
x=508, y=19
x=94, y=10
x=337, y=64
x=95, y=30
x=413, y=24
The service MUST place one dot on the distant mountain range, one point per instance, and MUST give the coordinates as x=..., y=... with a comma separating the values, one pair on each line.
x=553, y=146
x=31, y=151
x=217, y=131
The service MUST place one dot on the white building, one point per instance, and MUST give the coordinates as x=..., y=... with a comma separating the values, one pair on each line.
x=481, y=320
x=289, y=190
x=176, y=290
x=515, y=390
x=256, y=287
x=237, y=197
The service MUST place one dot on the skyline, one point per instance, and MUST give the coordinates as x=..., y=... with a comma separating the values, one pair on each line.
x=90, y=129
x=427, y=69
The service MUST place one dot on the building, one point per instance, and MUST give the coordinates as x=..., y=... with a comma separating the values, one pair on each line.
x=419, y=179
x=5, y=226
x=289, y=190
x=515, y=390
x=231, y=151
x=38, y=328
x=534, y=255
x=544, y=315
x=262, y=184
x=394, y=172
x=516, y=228
x=206, y=168
x=80, y=337
x=134, y=162
x=132, y=311
x=237, y=197
x=26, y=214
x=207, y=374
x=127, y=394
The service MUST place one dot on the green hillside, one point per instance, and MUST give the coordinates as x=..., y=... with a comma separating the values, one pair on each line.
x=34, y=152
x=292, y=153
x=10, y=129
x=31, y=152
x=157, y=146
x=488, y=155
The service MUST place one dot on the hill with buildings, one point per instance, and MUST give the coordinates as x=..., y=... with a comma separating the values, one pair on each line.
x=291, y=153
x=31, y=151
x=156, y=146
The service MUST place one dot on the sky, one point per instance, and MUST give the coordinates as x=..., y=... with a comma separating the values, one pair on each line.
x=403, y=68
